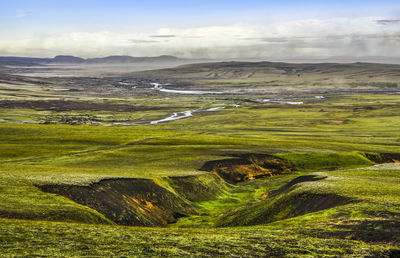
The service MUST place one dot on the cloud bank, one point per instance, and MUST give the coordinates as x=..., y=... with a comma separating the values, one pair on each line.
x=368, y=36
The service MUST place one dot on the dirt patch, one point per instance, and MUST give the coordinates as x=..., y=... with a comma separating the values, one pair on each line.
x=383, y=157
x=139, y=202
x=247, y=167
x=335, y=122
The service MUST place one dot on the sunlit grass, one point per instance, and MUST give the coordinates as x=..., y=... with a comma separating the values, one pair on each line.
x=321, y=135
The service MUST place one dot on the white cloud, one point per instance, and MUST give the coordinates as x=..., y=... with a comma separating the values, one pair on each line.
x=367, y=36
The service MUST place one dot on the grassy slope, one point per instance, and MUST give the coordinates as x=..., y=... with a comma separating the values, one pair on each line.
x=368, y=227
x=281, y=77
x=137, y=150
x=37, y=154
x=66, y=239
x=372, y=194
x=40, y=154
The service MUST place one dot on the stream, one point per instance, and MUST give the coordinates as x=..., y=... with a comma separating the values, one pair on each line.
x=282, y=101
x=159, y=87
x=174, y=116
x=188, y=113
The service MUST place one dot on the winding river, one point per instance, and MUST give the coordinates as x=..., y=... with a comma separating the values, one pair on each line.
x=159, y=87
x=174, y=116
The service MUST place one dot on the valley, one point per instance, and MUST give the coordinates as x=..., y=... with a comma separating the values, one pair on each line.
x=209, y=159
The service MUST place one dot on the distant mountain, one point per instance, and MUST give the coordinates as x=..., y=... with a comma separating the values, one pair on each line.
x=19, y=63
x=113, y=59
x=13, y=60
x=130, y=59
x=67, y=59
x=244, y=70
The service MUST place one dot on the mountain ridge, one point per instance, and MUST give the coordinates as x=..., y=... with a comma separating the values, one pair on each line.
x=70, y=59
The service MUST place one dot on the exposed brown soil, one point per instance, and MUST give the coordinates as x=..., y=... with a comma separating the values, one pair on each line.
x=247, y=167
x=383, y=157
x=139, y=202
x=335, y=122
x=144, y=202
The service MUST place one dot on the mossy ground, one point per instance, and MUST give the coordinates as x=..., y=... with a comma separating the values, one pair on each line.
x=66, y=239
x=326, y=138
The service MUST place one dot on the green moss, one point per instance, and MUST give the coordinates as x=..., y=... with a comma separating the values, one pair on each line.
x=22, y=238
x=28, y=202
x=325, y=160
x=320, y=135
x=200, y=187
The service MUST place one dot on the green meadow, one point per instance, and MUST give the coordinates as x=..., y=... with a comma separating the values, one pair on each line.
x=340, y=197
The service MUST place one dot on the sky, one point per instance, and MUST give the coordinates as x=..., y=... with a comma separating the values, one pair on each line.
x=201, y=29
